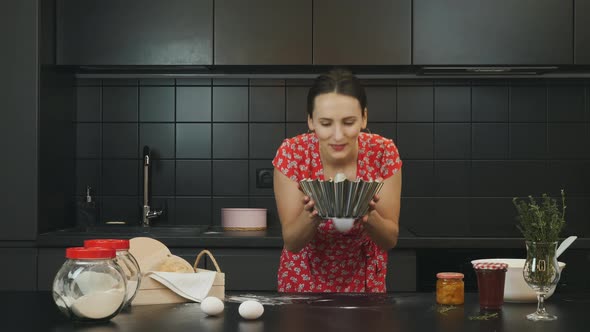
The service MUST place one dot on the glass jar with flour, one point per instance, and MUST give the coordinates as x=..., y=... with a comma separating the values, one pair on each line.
x=125, y=260
x=90, y=286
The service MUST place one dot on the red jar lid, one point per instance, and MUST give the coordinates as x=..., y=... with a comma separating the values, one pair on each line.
x=490, y=266
x=449, y=275
x=107, y=243
x=90, y=253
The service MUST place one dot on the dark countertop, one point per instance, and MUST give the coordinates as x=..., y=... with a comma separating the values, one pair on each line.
x=214, y=237
x=35, y=311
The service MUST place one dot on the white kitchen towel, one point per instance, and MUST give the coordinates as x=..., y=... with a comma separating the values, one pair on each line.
x=191, y=286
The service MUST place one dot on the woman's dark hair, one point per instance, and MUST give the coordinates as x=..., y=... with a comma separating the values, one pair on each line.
x=340, y=81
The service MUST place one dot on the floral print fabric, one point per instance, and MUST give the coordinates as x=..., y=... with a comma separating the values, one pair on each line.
x=334, y=261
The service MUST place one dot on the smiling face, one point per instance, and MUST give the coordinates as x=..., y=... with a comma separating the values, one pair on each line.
x=337, y=121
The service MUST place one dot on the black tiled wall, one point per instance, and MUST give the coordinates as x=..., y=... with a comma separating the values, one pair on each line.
x=468, y=146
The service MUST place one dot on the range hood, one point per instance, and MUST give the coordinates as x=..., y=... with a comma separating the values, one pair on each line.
x=484, y=71
x=363, y=72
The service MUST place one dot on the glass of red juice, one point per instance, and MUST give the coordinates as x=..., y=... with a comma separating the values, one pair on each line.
x=490, y=284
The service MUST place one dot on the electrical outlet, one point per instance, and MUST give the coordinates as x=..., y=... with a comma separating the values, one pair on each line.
x=264, y=177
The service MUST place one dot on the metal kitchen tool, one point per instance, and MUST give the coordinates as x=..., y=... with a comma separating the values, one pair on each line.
x=343, y=199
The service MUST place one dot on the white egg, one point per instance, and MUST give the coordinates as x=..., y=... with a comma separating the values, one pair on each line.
x=343, y=225
x=250, y=309
x=212, y=306
x=340, y=177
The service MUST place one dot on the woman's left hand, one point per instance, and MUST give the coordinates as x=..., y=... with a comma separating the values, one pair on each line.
x=372, y=204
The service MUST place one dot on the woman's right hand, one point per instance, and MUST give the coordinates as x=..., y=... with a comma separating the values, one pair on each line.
x=309, y=206
x=297, y=213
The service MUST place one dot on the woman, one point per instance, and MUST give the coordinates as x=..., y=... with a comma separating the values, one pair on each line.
x=316, y=257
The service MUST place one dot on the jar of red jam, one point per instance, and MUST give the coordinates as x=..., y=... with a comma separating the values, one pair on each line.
x=450, y=288
x=491, y=277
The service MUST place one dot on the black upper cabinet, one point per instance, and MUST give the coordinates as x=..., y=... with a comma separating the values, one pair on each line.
x=582, y=33
x=369, y=32
x=134, y=32
x=19, y=33
x=464, y=32
x=263, y=32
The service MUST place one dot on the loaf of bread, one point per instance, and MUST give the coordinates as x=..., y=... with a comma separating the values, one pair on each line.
x=153, y=255
x=173, y=263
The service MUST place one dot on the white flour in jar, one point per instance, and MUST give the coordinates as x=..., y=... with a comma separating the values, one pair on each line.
x=131, y=287
x=91, y=281
x=98, y=305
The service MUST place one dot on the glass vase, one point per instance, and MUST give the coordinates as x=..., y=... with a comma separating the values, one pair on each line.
x=541, y=273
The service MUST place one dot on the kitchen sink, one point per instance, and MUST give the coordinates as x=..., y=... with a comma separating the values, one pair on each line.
x=124, y=230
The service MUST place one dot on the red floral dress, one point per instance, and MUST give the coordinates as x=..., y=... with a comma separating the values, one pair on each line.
x=334, y=261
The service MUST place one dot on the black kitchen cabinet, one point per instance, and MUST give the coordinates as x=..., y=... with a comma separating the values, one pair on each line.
x=247, y=269
x=263, y=32
x=19, y=32
x=484, y=32
x=49, y=261
x=134, y=32
x=22, y=264
x=582, y=33
x=370, y=32
x=401, y=271
x=256, y=269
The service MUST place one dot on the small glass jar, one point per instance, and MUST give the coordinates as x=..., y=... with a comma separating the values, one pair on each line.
x=89, y=286
x=491, y=277
x=450, y=288
x=126, y=260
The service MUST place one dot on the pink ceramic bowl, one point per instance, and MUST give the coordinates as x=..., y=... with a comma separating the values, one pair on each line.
x=243, y=219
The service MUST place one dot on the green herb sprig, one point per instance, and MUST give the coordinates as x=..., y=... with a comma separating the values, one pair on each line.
x=540, y=223
x=443, y=309
x=485, y=316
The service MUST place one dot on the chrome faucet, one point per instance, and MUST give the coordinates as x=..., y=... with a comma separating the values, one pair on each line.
x=147, y=212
